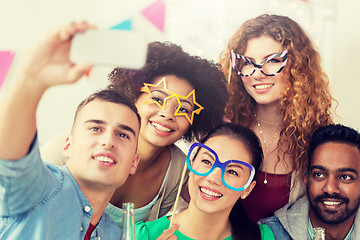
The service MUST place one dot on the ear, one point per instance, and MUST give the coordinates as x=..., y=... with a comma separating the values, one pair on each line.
x=248, y=190
x=134, y=163
x=66, y=148
x=306, y=178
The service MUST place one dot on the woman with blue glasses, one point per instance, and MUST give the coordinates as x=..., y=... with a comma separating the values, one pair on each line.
x=222, y=170
x=278, y=89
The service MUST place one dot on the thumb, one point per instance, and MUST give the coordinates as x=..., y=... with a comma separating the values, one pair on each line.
x=77, y=71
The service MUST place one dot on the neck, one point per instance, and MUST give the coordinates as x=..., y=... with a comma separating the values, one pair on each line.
x=332, y=231
x=269, y=115
x=200, y=225
x=98, y=200
x=148, y=154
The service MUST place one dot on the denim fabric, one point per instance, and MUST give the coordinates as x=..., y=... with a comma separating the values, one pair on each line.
x=43, y=201
x=274, y=224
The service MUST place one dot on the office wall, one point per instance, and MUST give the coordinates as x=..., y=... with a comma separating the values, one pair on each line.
x=202, y=27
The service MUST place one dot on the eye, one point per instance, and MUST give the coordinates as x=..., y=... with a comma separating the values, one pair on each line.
x=157, y=99
x=232, y=172
x=95, y=129
x=318, y=175
x=273, y=60
x=206, y=162
x=123, y=135
x=346, y=177
x=183, y=110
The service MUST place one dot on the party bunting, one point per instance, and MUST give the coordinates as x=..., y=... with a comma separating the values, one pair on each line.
x=125, y=25
x=155, y=13
x=6, y=58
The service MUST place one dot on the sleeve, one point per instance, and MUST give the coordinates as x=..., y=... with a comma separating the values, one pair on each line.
x=52, y=151
x=141, y=231
x=164, y=204
x=151, y=230
x=266, y=233
x=22, y=182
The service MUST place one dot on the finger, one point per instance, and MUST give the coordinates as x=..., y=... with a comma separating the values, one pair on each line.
x=168, y=233
x=67, y=31
x=77, y=71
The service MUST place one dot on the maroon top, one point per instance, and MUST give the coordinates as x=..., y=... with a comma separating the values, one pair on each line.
x=89, y=231
x=265, y=199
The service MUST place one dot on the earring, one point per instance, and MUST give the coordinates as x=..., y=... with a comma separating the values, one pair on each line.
x=243, y=196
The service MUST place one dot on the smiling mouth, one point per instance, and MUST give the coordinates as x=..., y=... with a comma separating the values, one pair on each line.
x=161, y=127
x=104, y=159
x=263, y=86
x=209, y=193
x=331, y=203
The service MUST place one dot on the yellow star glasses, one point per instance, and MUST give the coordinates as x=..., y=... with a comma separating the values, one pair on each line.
x=181, y=110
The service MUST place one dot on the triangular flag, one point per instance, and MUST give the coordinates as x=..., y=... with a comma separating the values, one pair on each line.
x=88, y=72
x=155, y=13
x=6, y=58
x=125, y=25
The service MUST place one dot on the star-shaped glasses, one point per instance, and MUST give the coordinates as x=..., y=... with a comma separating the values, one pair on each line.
x=180, y=110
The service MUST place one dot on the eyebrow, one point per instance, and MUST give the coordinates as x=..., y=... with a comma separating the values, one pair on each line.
x=348, y=170
x=122, y=126
x=266, y=57
x=165, y=93
x=208, y=154
x=160, y=91
x=338, y=170
x=234, y=164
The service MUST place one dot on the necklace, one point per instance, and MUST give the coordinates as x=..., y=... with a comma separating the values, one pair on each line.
x=267, y=143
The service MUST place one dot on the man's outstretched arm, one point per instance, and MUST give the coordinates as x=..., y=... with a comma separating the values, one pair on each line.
x=46, y=65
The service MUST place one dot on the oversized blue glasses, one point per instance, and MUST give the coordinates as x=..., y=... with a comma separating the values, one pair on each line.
x=235, y=174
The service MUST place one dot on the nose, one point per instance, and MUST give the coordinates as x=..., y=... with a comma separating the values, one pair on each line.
x=108, y=140
x=168, y=111
x=215, y=177
x=258, y=75
x=331, y=185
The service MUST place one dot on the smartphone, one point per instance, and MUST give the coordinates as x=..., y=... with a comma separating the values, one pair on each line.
x=118, y=48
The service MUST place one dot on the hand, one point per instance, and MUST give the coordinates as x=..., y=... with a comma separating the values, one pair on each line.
x=168, y=234
x=48, y=62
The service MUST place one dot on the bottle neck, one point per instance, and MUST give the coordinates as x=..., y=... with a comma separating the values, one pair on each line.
x=128, y=222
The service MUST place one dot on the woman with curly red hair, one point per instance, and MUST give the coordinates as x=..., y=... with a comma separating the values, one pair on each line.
x=278, y=88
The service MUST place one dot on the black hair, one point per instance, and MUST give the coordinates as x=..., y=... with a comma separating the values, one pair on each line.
x=242, y=226
x=169, y=59
x=333, y=133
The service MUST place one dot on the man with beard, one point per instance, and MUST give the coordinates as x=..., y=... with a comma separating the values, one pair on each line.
x=333, y=190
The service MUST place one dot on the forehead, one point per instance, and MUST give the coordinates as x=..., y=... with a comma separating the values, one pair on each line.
x=334, y=155
x=228, y=148
x=114, y=114
x=262, y=46
x=175, y=84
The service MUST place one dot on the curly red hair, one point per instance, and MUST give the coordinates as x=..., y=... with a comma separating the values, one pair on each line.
x=306, y=102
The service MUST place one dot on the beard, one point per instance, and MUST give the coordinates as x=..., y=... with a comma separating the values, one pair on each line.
x=333, y=216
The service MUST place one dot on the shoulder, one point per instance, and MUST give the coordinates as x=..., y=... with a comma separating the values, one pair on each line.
x=176, y=153
x=266, y=233
x=152, y=229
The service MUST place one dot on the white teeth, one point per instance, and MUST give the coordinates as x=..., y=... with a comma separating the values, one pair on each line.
x=264, y=86
x=160, y=127
x=104, y=159
x=330, y=203
x=210, y=193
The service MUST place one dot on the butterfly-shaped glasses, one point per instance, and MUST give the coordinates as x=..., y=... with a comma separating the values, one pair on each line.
x=272, y=66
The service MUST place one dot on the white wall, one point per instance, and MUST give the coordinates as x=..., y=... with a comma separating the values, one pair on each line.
x=202, y=27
